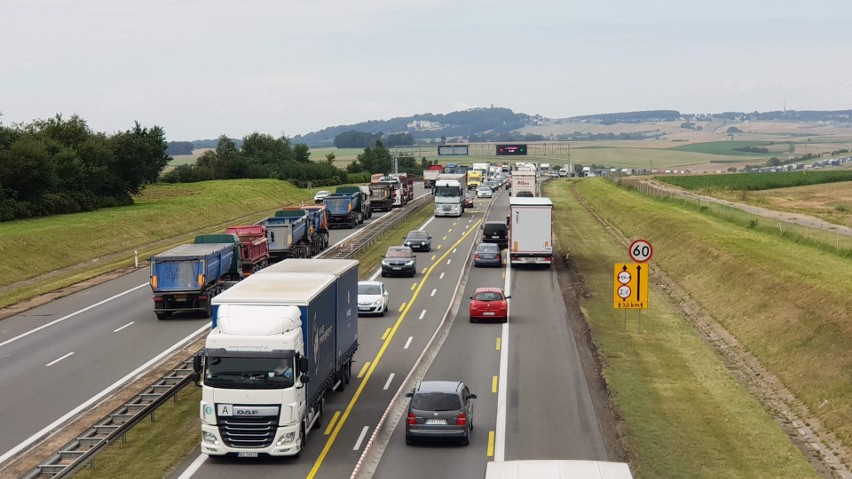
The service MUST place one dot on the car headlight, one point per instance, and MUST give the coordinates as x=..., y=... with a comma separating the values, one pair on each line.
x=409, y=262
x=286, y=439
x=209, y=438
x=385, y=262
x=377, y=302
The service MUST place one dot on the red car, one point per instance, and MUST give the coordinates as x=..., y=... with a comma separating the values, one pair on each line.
x=489, y=304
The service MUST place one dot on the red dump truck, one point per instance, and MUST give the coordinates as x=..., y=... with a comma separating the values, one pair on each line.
x=254, y=247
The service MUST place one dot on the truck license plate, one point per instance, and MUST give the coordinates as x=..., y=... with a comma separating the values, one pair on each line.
x=180, y=297
x=246, y=454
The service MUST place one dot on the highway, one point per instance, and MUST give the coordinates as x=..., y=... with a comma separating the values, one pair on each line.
x=59, y=358
x=532, y=402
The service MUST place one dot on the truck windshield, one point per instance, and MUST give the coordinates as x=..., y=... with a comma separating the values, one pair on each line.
x=447, y=191
x=249, y=372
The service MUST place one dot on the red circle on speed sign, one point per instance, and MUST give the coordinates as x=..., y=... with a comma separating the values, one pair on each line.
x=640, y=251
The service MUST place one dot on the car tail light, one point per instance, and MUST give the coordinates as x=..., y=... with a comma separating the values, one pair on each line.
x=476, y=256
x=461, y=419
x=203, y=297
x=411, y=418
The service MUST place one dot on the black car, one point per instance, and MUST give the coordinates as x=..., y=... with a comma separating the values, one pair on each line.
x=418, y=240
x=399, y=260
x=439, y=410
x=495, y=232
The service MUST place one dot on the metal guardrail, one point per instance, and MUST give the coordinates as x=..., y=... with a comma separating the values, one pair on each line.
x=82, y=450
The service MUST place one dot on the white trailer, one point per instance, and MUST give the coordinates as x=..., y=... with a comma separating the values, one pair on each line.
x=530, y=231
x=557, y=469
x=523, y=180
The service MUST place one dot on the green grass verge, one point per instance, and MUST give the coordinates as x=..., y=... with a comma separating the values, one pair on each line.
x=727, y=148
x=154, y=448
x=163, y=215
x=757, y=181
x=684, y=415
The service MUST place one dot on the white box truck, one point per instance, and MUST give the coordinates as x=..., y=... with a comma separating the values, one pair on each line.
x=530, y=231
x=523, y=183
x=281, y=341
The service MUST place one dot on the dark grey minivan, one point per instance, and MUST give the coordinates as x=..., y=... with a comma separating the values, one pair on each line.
x=439, y=410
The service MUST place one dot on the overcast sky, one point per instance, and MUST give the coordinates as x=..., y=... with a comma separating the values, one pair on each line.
x=202, y=68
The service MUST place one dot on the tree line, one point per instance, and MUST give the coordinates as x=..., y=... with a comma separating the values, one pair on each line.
x=60, y=165
x=263, y=156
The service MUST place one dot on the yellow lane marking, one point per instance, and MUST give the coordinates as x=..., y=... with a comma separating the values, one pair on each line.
x=331, y=424
x=498, y=343
x=401, y=307
x=370, y=367
x=439, y=246
x=494, y=384
x=445, y=238
x=387, y=331
x=449, y=231
x=414, y=285
x=503, y=274
x=490, y=444
x=433, y=257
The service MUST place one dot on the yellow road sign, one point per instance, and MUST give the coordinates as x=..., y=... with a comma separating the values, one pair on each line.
x=630, y=286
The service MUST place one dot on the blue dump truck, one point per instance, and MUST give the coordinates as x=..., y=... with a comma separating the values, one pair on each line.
x=281, y=231
x=344, y=209
x=281, y=342
x=187, y=277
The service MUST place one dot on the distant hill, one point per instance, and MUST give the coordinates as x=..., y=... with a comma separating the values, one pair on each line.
x=502, y=124
x=428, y=126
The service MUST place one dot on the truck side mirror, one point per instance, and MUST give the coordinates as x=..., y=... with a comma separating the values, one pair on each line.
x=196, y=369
x=409, y=394
x=303, y=364
x=304, y=378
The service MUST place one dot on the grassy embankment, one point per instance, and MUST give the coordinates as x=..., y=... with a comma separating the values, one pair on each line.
x=163, y=215
x=154, y=448
x=683, y=413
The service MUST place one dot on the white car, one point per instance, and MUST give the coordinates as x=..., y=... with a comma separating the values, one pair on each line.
x=320, y=196
x=483, y=192
x=372, y=297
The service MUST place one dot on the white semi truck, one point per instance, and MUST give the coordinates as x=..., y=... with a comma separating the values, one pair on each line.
x=530, y=231
x=281, y=342
x=523, y=181
x=449, y=195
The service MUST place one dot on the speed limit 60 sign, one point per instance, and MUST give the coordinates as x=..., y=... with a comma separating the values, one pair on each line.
x=640, y=251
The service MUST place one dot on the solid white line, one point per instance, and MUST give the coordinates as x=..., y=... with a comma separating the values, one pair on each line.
x=376, y=274
x=75, y=313
x=360, y=438
x=387, y=384
x=442, y=276
x=126, y=325
x=433, y=292
x=133, y=374
x=60, y=359
x=500, y=429
x=408, y=343
x=195, y=466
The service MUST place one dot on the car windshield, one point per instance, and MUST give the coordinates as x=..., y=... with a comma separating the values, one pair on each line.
x=436, y=401
x=371, y=289
x=398, y=253
x=322, y=193
x=488, y=296
x=417, y=235
x=483, y=188
x=487, y=248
